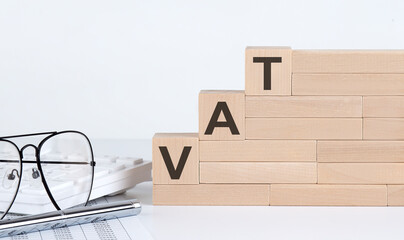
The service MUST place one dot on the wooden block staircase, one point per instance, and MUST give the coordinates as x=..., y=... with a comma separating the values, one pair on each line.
x=312, y=128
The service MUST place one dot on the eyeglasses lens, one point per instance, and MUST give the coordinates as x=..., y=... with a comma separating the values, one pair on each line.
x=66, y=164
x=10, y=174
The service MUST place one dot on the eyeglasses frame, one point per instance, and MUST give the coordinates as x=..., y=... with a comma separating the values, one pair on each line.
x=38, y=163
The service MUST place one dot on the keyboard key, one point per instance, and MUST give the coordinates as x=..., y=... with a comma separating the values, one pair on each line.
x=100, y=172
x=106, y=159
x=128, y=160
x=116, y=168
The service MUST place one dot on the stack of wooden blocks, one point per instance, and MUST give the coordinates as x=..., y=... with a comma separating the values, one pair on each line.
x=311, y=128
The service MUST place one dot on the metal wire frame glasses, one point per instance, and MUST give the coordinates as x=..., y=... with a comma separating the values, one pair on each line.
x=39, y=162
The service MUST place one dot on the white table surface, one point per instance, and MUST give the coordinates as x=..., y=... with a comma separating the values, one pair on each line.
x=246, y=222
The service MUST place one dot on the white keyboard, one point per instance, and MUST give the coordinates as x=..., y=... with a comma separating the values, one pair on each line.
x=112, y=175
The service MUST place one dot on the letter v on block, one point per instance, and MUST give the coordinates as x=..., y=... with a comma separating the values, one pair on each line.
x=175, y=173
x=176, y=158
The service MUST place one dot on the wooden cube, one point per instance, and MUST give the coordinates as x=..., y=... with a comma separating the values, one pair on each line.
x=175, y=158
x=221, y=115
x=268, y=70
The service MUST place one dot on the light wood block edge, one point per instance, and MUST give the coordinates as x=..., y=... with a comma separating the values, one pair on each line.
x=212, y=194
x=258, y=151
x=328, y=195
x=257, y=172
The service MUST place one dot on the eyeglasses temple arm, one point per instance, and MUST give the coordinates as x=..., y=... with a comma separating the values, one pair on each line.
x=28, y=135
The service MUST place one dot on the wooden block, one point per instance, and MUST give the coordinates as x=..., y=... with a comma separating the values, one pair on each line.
x=360, y=151
x=395, y=195
x=361, y=173
x=304, y=128
x=258, y=151
x=221, y=115
x=383, y=128
x=328, y=195
x=348, y=84
x=175, y=158
x=268, y=70
x=258, y=172
x=348, y=61
x=211, y=194
x=303, y=106
x=383, y=106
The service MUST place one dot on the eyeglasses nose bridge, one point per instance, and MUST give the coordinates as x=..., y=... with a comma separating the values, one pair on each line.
x=25, y=147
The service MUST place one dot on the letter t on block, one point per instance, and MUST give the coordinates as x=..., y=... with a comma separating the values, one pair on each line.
x=221, y=115
x=175, y=158
x=268, y=70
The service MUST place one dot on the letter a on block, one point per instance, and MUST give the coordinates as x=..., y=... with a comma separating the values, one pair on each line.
x=268, y=71
x=222, y=107
x=221, y=115
x=175, y=158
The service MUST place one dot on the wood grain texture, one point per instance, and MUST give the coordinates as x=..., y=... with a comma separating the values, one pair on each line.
x=303, y=106
x=361, y=173
x=383, y=106
x=348, y=61
x=258, y=151
x=175, y=143
x=383, y=128
x=303, y=128
x=348, y=84
x=395, y=195
x=211, y=194
x=257, y=172
x=360, y=151
x=280, y=72
x=328, y=195
x=235, y=101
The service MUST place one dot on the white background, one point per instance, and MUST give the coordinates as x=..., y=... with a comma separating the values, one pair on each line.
x=128, y=69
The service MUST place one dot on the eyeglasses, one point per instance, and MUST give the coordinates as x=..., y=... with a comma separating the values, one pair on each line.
x=55, y=153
